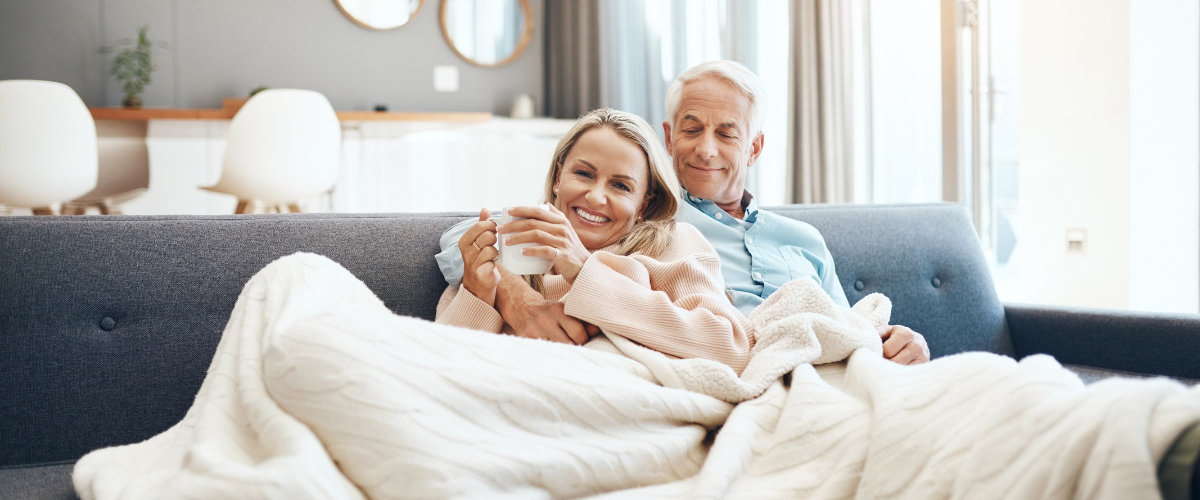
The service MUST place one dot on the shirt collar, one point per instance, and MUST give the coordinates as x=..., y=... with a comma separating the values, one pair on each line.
x=749, y=206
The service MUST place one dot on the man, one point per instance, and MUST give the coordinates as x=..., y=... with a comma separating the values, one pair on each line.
x=714, y=135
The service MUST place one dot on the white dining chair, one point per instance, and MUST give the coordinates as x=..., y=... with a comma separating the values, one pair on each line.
x=123, y=165
x=47, y=145
x=282, y=147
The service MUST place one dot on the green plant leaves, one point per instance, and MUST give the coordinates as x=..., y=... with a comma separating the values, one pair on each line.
x=133, y=67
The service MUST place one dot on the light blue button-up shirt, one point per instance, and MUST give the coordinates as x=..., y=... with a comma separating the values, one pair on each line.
x=762, y=251
x=758, y=253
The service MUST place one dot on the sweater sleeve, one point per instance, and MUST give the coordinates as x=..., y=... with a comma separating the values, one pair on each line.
x=675, y=303
x=458, y=307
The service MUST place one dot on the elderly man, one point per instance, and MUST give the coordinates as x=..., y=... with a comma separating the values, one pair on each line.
x=714, y=135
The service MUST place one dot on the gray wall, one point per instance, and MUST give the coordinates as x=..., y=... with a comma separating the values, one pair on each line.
x=225, y=48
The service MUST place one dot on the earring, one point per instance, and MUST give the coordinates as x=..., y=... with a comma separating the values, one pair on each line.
x=555, y=191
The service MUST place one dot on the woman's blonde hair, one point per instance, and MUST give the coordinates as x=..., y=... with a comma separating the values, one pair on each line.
x=651, y=234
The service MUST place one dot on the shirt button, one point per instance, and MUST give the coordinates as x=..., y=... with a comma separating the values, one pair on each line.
x=749, y=240
x=758, y=276
x=717, y=215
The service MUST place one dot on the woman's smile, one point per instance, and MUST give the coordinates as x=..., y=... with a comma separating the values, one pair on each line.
x=587, y=216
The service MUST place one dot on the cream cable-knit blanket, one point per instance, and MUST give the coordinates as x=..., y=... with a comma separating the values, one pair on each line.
x=318, y=391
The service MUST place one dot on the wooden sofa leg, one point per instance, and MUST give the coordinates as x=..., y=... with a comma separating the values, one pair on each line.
x=243, y=207
x=43, y=211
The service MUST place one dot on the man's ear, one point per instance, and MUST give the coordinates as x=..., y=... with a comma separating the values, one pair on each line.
x=667, y=137
x=756, y=148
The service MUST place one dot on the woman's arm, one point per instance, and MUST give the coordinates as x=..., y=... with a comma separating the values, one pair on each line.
x=459, y=307
x=674, y=303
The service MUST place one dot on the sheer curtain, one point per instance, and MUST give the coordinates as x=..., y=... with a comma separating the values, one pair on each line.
x=823, y=106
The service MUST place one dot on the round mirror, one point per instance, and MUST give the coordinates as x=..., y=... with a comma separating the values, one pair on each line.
x=380, y=14
x=487, y=32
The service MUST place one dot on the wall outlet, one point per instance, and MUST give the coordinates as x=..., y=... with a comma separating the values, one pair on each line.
x=1077, y=240
x=445, y=78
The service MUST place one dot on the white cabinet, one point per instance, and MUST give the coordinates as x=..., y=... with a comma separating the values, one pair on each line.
x=432, y=167
x=387, y=166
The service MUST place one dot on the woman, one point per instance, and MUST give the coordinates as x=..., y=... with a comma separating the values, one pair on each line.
x=630, y=269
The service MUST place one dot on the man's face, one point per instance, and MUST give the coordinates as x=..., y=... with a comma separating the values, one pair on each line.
x=710, y=141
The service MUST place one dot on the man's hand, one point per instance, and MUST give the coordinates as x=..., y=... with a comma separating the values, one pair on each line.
x=532, y=316
x=902, y=345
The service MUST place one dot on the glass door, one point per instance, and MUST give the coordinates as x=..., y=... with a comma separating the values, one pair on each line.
x=980, y=116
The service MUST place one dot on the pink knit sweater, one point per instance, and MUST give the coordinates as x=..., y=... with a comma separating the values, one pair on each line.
x=674, y=302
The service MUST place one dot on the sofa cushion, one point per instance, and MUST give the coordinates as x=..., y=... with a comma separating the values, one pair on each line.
x=40, y=481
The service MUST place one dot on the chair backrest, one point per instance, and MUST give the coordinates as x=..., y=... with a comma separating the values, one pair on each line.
x=124, y=161
x=47, y=144
x=282, y=146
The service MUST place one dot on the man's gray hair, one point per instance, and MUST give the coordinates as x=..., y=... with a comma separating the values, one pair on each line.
x=733, y=72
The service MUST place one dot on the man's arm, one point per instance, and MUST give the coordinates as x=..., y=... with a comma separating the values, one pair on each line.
x=531, y=315
x=526, y=311
x=828, y=273
x=450, y=258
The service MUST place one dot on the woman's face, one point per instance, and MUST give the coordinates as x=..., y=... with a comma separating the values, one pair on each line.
x=602, y=187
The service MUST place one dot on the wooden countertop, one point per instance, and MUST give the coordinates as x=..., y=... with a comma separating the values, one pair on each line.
x=146, y=114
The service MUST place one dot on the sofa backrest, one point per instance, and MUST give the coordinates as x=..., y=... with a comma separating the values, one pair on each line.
x=108, y=324
x=927, y=259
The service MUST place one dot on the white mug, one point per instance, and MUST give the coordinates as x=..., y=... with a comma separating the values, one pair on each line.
x=510, y=255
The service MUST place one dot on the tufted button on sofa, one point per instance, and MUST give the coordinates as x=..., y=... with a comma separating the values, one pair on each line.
x=108, y=325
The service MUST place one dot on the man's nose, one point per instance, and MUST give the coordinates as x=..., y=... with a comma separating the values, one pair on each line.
x=708, y=146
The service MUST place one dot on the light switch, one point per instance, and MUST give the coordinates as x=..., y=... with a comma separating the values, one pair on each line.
x=1077, y=240
x=445, y=78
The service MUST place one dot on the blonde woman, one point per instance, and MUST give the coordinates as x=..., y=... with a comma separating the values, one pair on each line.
x=621, y=263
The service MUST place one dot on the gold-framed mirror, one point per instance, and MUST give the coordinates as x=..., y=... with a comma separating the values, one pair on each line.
x=487, y=33
x=380, y=14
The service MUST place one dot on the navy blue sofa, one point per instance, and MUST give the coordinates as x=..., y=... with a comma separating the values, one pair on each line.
x=108, y=324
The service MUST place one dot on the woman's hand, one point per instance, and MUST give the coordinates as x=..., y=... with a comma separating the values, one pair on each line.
x=480, y=275
x=549, y=228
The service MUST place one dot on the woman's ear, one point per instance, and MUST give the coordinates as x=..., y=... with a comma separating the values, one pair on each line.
x=645, y=205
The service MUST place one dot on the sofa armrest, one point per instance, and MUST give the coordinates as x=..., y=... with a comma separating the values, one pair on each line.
x=1138, y=342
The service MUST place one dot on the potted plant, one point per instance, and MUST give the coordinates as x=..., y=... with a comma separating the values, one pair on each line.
x=133, y=67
